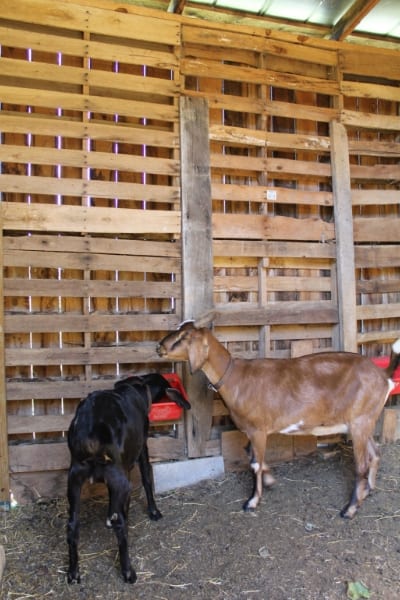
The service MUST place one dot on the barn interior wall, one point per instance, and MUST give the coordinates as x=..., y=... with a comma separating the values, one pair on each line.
x=91, y=208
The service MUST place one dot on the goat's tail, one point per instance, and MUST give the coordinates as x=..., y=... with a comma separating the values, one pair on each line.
x=394, y=359
x=100, y=445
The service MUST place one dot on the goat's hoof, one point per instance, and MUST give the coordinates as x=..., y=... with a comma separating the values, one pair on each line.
x=348, y=512
x=73, y=577
x=248, y=508
x=155, y=515
x=130, y=576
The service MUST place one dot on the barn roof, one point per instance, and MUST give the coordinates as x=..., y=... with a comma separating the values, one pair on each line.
x=375, y=22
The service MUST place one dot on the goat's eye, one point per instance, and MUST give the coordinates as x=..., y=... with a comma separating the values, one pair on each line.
x=179, y=339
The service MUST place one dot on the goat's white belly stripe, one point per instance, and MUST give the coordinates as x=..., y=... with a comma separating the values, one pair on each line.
x=293, y=428
x=329, y=429
x=298, y=429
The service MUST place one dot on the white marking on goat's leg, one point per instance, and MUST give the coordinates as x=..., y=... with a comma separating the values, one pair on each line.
x=113, y=517
x=267, y=477
x=253, y=501
x=258, y=444
x=374, y=462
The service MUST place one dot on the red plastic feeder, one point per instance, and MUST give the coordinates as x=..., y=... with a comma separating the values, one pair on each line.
x=165, y=410
x=383, y=362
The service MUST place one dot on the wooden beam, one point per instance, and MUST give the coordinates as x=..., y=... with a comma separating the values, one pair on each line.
x=4, y=468
x=197, y=256
x=344, y=238
x=351, y=18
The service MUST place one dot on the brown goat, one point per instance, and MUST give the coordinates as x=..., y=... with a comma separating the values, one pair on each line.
x=316, y=394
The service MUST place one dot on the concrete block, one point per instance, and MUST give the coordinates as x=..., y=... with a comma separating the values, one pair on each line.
x=172, y=475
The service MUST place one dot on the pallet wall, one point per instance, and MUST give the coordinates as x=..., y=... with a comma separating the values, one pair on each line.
x=90, y=182
x=278, y=270
x=303, y=207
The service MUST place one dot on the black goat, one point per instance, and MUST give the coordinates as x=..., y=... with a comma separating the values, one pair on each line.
x=107, y=436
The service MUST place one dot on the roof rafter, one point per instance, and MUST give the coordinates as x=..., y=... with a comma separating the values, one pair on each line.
x=176, y=6
x=351, y=18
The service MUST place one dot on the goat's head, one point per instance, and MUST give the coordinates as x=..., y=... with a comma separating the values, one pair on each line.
x=156, y=385
x=188, y=343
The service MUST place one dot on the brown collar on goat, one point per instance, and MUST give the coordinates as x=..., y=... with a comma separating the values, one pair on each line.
x=220, y=382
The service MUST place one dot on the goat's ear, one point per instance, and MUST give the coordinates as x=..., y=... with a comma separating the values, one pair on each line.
x=205, y=320
x=197, y=354
x=175, y=396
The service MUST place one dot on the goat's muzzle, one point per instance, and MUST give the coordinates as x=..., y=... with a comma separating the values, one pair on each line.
x=160, y=350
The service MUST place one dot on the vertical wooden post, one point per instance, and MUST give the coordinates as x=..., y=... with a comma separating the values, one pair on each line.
x=4, y=466
x=344, y=237
x=197, y=255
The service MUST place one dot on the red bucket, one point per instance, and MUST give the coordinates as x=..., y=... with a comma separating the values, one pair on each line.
x=165, y=410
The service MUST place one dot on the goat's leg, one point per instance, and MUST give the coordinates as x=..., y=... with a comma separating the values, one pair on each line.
x=364, y=454
x=119, y=489
x=267, y=477
x=258, y=466
x=76, y=477
x=146, y=472
x=374, y=459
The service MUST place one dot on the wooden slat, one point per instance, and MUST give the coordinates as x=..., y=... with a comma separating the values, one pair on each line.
x=365, y=61
x=26, y=457
x=117, y=132
x=271, y=194
x=81, y=187
x=369, y=229
x=374, y=197
x=75, y=260
x=377, y=172
x=85, y=103
x=381, y=286
x=38, y=424
x=51, y=76
x=353, y=118
x=369, y=90
x=376, y=336
x=295, y=312
x=374, y=148
x=93, y=245
x=77, y=17
x=34, y=389
x=78, y=288
x=128, y=353
x=278, y=332
x=203, y=68
x=45, y=217
x=51, y=322
x=274, y=141
x=374, y=256
x=280, y=168
x=94, y=160
x=247, y=283
x=109, y=51
x=273, y=249
x=378, y=311
x=259, y=43
x=272, y=107
x=236, y=226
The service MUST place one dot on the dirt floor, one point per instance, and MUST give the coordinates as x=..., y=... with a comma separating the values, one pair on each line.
x=294, y=547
